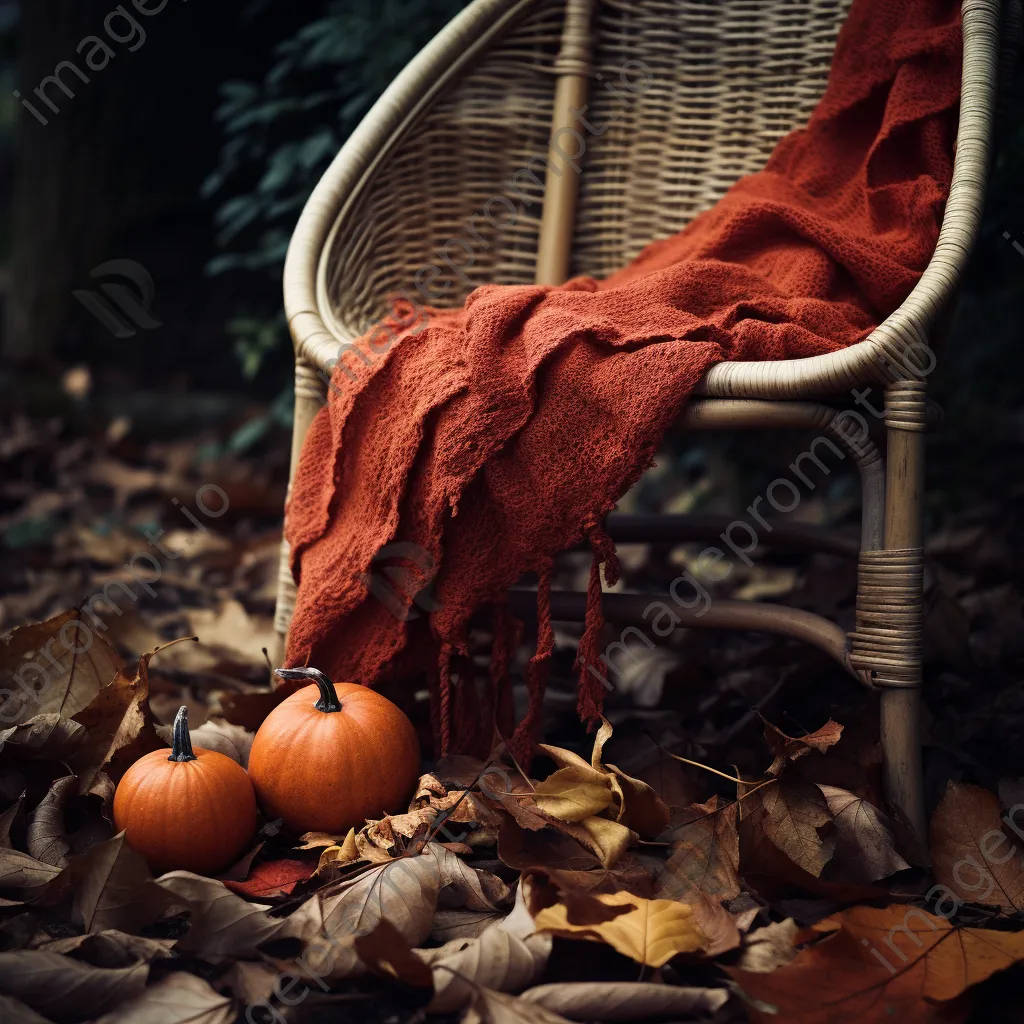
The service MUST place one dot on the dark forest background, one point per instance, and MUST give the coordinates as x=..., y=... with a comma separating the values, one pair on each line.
x=194, y=154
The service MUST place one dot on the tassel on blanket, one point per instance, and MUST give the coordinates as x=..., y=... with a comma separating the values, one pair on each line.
x=524, y=737
x=444, y=683
x=501, y=711
x=591, y=691
x=469, y=736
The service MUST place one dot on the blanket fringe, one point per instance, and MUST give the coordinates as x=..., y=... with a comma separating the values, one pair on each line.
x=524, y=737
x=591, y=691
x=444, y=682
x=501, y=712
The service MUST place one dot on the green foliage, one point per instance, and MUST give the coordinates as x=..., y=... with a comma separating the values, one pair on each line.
x=280, y=134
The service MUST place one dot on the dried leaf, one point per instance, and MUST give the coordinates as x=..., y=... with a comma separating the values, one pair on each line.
x=792, y=748
x=384, y=951
x=705, y=854
x=972, y=855
x=461, y=924
x=231, y=740
x=649, y=931
x=112, y=948
x=45, y=736
x=250, y=709
x=8, y=819
x=1011, y=792
x=67, y=990
x=46, y=836
x=573, y=793
x=221, y=924
x=273, y=878
x=239, y=871
x=251, y=982
x=564, y=758
x=639, y=808
x=316, y=840
x=23, y=877
x=865, y=850
x=720, y=928
x=570, y=863
x=497, y=959
x=51, y=678
x=114, y=889
x=15, y=1010
x=788, y=814
x=179, y=998
x=404, y=891
x=880, y=965
x=333, y=858
x=464, y=886
x=606, y=839
x=384, y=833
x=490, y=1007
x=233, y=630
x=119, y=724
x=457, y=805
x=614, y=1001
x=769, y=948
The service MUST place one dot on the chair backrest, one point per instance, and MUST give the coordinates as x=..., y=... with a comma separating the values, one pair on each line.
x=687, y=97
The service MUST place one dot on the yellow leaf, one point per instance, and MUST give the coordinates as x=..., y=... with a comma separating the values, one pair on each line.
x=648, y=931
x=348, y=847
x=640, y=808
x=637, y=806
x=607, y=839
x=562, y=757
x=339, y=856
x=573, y=793
x=603, y=735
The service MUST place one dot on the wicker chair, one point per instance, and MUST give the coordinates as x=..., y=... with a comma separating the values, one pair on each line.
x=466, y=122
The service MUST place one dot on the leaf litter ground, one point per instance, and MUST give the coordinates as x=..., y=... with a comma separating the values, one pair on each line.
x=613, y=880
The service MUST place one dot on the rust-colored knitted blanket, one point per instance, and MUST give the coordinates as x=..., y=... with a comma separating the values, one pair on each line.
x=486, y=440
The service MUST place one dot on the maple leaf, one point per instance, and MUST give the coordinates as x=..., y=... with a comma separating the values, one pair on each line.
x=880, y=965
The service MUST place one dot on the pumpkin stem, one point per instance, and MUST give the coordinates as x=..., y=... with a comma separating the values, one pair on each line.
x=328, y=695
x=181, y=742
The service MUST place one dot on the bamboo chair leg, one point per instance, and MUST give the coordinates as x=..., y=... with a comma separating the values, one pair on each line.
x=310, y=396
x=894, y=589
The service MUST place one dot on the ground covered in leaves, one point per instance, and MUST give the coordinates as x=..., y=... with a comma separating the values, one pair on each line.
x=719, y=850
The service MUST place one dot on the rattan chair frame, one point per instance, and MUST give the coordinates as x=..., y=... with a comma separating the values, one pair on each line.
x=329, y=251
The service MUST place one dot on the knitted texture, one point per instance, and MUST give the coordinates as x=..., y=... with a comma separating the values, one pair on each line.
x=501, y=434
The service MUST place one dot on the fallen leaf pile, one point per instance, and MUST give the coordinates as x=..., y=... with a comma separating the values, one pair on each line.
x=613, y=879
x=576, y=891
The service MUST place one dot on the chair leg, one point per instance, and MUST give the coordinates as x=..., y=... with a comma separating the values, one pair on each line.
x=310, y=392
x=894, y=602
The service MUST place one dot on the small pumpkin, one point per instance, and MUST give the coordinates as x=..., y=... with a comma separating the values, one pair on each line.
x=331, y=755
x=193, y=810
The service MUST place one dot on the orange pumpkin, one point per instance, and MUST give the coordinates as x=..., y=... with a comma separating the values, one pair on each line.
x=331, y=755
x=192, y=811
